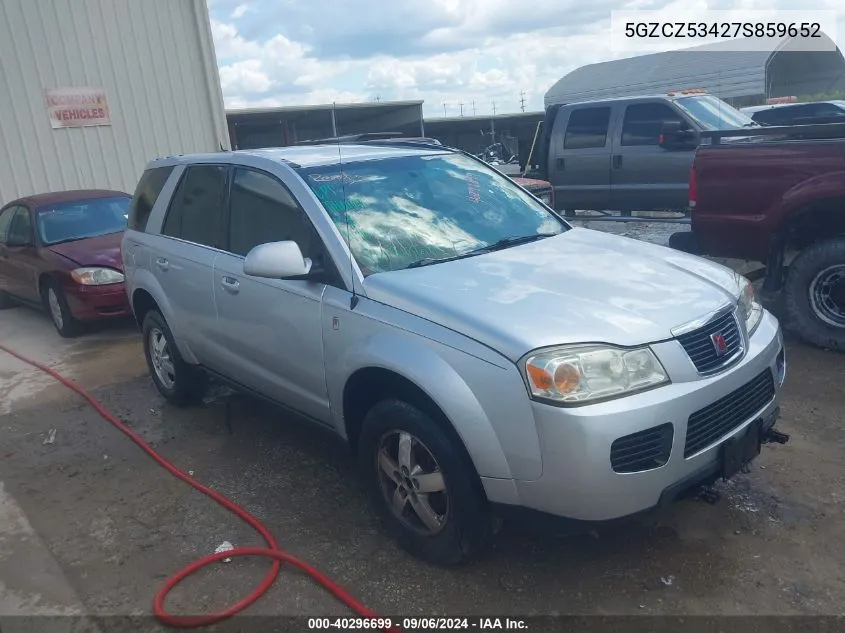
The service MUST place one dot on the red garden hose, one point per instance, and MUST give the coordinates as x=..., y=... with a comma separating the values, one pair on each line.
x=271, y=551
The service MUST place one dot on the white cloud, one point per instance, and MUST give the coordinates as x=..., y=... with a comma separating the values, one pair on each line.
x=240, y=11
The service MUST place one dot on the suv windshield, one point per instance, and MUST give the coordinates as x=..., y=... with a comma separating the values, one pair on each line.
x=712, y=113
x=80, y=219
x=421, y=209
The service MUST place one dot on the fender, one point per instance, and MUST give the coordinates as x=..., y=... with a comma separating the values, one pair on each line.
x=143, y=279
x=434, y=376
x=805, y=193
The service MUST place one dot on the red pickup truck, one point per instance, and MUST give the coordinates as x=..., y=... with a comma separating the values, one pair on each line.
x=778, y=198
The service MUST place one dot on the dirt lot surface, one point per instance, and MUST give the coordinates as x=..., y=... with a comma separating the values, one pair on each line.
x=89, y=524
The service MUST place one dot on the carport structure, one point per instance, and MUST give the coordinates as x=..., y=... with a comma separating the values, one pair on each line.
x=474, y=133
x=254, y=128
x=741, y=77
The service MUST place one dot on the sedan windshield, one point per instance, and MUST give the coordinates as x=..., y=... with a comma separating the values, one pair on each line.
x=712, y=113
x=80, y=219
x=417, y=210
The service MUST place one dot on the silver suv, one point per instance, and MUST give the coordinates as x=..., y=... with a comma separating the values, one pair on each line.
x=483, y=357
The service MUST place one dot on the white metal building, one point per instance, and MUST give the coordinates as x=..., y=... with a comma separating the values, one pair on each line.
x=90, y=90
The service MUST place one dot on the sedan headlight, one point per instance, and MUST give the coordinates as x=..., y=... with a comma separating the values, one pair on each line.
x=749, y=308
x=584, y=373
x=96, y=276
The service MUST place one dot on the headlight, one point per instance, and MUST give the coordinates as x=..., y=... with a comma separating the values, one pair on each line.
x=96, y=276
x=583, y=373
x=749, y=308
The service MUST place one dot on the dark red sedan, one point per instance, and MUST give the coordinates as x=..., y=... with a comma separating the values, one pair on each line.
x=62, y=251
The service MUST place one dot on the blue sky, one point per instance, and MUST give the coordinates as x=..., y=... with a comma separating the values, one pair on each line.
x=475, y=52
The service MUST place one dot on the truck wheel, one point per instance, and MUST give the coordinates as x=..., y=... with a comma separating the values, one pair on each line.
x=180, y=383
x=421, y=486
x=814, y=294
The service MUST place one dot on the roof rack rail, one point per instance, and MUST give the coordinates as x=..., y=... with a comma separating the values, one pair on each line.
x=378, y=138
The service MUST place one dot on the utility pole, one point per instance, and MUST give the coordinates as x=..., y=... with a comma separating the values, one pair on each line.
x=473, y=108
x=378, y=98
x=494, y=108
x=444, y=108
x=522, y=99
x=461, y=105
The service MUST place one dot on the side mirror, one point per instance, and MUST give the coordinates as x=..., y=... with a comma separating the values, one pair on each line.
x=672, y=136
x=277, y=260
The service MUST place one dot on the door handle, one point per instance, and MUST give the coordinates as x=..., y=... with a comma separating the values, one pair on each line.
x=560, y=163
x=617, y=161
x=230, y=284
x=162, y=263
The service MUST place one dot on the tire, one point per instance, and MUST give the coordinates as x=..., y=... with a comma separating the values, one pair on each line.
x=58, y=310
x=817, y=320
x=465, y=523
x=180, y=383
x=6, y=301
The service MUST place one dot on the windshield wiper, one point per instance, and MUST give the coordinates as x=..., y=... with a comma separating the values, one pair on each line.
x=501, y=244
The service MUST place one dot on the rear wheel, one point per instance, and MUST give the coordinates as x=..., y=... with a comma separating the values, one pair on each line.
x=421, y=485
x=814, y=294
x=180, y=383
x=59, y=311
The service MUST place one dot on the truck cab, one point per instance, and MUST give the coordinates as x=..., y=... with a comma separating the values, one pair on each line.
x=607, y=155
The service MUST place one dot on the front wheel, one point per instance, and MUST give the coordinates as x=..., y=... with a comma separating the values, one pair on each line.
x=421, y=485
x=814, y=294
x=57, y=307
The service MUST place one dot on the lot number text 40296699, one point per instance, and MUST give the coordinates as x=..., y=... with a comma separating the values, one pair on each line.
x=418, y=624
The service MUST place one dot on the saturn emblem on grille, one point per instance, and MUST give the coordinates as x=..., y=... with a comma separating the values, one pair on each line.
x=719, y=343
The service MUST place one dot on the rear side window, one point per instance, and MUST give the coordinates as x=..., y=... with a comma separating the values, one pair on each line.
x=146, y=194
x=587, y=128
x=196, y=211
x=643, y=123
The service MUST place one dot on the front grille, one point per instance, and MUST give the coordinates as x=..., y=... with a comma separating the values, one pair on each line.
x=707, y=425
x=701, y=350
x=643, y=450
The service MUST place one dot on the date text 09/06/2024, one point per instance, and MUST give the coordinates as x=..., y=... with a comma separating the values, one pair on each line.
x=418, y=624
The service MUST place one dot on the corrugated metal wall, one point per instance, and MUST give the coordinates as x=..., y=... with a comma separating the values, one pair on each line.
x=154, y=58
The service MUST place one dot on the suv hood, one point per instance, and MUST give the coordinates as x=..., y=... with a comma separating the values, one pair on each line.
x=93, y=251
x=578, y=287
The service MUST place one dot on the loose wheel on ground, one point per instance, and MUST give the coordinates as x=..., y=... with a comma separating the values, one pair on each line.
x=814, y=294
x=421, y=485
x=179, y=382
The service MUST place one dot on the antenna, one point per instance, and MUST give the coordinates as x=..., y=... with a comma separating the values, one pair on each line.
x=522, y=99
x=353, y=301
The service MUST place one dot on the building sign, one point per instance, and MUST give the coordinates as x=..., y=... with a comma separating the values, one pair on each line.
x=77, y=107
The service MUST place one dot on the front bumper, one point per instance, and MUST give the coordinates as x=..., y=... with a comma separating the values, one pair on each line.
x=578, y=481
x=89, y=303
